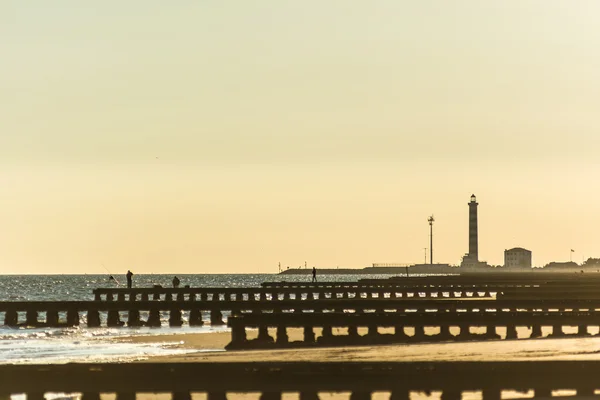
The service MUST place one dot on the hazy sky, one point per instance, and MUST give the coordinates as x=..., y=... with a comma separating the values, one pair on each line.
x=214, y=136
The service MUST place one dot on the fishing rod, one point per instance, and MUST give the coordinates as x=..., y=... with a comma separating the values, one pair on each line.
x=111, y=275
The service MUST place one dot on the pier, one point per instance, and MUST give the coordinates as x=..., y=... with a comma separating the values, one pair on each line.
x=271, y=380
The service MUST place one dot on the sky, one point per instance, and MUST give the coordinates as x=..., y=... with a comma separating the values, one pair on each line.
x=226, y=137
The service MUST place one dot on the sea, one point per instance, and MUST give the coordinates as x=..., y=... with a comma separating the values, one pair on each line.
x=81, y=344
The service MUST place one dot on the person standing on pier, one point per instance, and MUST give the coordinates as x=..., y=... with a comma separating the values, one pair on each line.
x=129, y=280
x=314, y=273
x=176, y=282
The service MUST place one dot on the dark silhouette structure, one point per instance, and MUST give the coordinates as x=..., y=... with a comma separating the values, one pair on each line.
x=314, y=274
x=129, y=279
x=176, y=282
x=402, y=380
x=473, y=243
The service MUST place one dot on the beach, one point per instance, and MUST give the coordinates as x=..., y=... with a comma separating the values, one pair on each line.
x=210, y=347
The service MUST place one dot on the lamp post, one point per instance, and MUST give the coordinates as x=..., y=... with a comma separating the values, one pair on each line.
x=430, y=220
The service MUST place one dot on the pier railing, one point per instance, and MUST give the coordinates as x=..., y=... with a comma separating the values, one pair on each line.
x=280, y=294
x=308, y=379
x=151, y=313
x=398, y=322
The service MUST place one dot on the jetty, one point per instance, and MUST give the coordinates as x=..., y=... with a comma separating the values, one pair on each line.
x=306, y=379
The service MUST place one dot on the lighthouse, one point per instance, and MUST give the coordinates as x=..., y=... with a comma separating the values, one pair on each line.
x=473, y=250
x=471, y=259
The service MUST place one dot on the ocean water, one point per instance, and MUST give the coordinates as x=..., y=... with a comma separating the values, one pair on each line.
x=80, y=344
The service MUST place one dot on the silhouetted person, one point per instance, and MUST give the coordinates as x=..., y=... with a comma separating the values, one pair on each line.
x=314, y=272
x=176, y=282
x=129, y=280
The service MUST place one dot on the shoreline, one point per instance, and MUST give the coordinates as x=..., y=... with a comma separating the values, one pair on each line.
x=210, y=347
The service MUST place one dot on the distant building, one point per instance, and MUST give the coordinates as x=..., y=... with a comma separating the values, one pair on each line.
x=517, y=257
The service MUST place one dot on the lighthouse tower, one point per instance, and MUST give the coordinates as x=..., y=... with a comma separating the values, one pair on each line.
x=473, y=250
x=471, y=259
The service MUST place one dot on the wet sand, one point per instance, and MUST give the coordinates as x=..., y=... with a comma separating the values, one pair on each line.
x=210, y=347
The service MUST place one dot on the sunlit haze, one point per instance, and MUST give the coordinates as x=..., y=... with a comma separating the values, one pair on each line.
x=215, y=137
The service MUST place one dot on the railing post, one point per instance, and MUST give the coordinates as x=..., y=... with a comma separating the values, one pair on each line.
x=491, y=394
x=309, y=395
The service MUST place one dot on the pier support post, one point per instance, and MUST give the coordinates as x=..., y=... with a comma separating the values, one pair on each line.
x=216, y=317
x=582, y=330
x=113, y=319
x=536, y=331
x=11, y=318
x=52, y=318
x=216, y=396
x=93, y=318
x=490, y=332
x=511, y=332
x=449, y=394
x=175, y=317
x=282, y=337
x=372, y=331
x=309, y=395
x=444, y=332
x=399, y=333
x=133, y=318
x=35, y=396
x=309, y=334
x=126, y=396
x=557, y=331
x=90, y=396
x=72, y=317
x=144, y=296
x=327, y=334
x=353, y=332
x=196, y=317
x=491, y=394
x=263, y=334
x=31, y=318
x=399, y=394
x=419, y=333
x=181, y=396
x=270, y=396
x=154, y=319
x=542, y=392
x=360, y=395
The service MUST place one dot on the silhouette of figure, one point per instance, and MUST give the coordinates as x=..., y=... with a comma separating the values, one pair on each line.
x=111, y=278
x=176, y=282
x=129, y=280
x=314, y=273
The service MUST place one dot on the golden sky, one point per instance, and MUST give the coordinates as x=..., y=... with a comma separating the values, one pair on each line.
x=214, y=137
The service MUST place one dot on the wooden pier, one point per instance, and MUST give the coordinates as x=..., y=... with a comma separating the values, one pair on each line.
x=220, y=381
